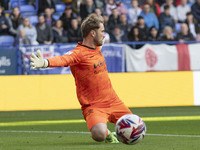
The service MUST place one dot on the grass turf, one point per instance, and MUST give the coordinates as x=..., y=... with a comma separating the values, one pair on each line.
x=78, y=141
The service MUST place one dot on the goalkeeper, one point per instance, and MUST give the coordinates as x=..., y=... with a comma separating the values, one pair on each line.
x=98, y=100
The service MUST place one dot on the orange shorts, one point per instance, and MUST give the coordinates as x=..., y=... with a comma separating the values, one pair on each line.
x=94, y=114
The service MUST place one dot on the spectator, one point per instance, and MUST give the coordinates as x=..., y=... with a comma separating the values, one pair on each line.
x=100, y=4
x=193, y=26
x=30, y=31
x=66, y=17
x=121, y=8
x=185, y=34
x=48, y=17
x=134, y=12
x=135, y=35
x=154, y=7
x=98, y=11
x=4, y=25
x=15, y=19
x=110, y=5
x=74, y=33
x=172, y=9
x=118, y=35
x=166, y=19
x=182, y=10
x=76, y=6
x=44, y=31
x=143, y=29
x=167, y=34
x=149, y=18
x=87, y=8
x=106, y=19
x=22, y=39
x=43, y=4
x=124, y=24
x=153, y=34
x=196, y=10
x=59, y=34
x=114, y=19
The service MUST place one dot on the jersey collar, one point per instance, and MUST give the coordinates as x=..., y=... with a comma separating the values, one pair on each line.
x=80, y=44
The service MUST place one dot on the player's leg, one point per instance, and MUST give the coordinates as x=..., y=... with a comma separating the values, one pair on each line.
x=118, y=110
x=96, y=122
x=96, y=119
x=99, y=132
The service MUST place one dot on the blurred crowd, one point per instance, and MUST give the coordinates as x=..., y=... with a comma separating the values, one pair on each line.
x=138, y=20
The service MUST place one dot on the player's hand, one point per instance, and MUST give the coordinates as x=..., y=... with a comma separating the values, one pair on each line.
x=38, y=61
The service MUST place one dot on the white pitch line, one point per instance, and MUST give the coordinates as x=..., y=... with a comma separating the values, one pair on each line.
x=81, y=132
x=53, y=132
x=197, y=136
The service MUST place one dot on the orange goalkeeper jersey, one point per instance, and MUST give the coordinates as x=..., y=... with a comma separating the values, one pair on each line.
x=88, y=66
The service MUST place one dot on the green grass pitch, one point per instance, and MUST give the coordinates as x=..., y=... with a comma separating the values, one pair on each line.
x=161, y=135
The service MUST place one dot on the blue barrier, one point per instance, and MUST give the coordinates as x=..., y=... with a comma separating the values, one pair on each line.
x=8, y=62
x=114, y=56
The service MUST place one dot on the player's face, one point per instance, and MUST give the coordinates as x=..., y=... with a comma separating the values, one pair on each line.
x=100, y=35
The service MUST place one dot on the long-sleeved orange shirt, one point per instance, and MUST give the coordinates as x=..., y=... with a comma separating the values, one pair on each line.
x=88, y=66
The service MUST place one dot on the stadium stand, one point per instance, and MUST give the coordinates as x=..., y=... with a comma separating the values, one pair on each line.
x=30, y=9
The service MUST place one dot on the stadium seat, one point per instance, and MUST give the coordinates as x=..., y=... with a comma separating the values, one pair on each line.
x=33, y=19
x=55, y=16
x=60, y=8
x=27, y=8
x=15, y=3
x=6, y=40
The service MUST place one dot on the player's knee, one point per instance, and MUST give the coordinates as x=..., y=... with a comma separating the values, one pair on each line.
x=99, y=135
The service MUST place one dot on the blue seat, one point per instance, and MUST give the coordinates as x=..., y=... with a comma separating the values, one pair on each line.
x=27, y=8
x=55, y=16
x=60, y=7
x=6, y=40
x=33, y=19
x=16, y=3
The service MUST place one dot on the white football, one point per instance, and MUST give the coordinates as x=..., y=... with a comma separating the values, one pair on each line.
x=130, y=129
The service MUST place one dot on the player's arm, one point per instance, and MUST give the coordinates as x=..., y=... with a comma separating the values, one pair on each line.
x=68, y=59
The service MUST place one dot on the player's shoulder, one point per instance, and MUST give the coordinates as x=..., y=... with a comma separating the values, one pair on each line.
x=74, y=51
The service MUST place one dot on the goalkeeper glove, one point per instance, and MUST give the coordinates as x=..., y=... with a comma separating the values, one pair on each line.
x=38, y=61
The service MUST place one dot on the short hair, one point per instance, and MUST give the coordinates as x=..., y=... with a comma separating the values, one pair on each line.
x=140, y=17
x=166, y=7
x=189, y=13
x=41, y=15
x=92, y=22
